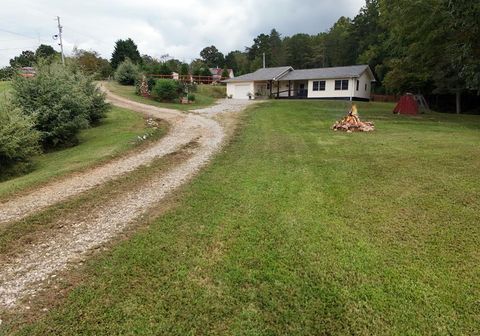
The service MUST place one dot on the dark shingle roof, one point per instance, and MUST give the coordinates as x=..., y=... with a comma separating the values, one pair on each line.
x=261, y=74
x=327, y=73
x=287, y=73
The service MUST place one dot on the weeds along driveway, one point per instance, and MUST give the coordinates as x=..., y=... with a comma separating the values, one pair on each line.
x=25, y=273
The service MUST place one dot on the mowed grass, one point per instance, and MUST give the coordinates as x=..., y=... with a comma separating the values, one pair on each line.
x=298, y=230
x=116, y=134
x=205, y=96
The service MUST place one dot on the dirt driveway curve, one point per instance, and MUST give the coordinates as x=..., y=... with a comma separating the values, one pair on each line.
x=26, y=273
x=184, y=129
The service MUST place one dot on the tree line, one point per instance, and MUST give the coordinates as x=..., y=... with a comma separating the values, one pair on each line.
x=425, y=46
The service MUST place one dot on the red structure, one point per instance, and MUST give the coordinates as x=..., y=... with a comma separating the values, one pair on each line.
x=406, y=105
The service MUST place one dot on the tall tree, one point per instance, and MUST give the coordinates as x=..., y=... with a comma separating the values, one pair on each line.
x=197, y=65
x=340, y=45
x=269, y=44
x=92, y=64
x=277, y=50
x=299, y=50
x=45, y=51
x=125, y=49
x=318, y=58
x=429, y=53
x=25, y=59
x=212, y=57
x=184, y=70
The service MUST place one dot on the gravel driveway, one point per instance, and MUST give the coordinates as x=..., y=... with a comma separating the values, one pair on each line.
x=25, y=274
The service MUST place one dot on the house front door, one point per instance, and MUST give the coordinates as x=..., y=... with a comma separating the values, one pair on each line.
x=302, y=91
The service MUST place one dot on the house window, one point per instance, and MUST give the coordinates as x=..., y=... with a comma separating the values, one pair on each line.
x=358, y=84
x=366, y=86
x=268, y=86
x=341, y=84
x=318, y=85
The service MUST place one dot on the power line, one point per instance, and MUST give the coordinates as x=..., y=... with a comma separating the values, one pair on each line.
x=14, y=33
x=16, y=40
x=13, y=48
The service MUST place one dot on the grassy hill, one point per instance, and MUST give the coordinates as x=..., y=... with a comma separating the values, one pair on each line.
x=296, y=229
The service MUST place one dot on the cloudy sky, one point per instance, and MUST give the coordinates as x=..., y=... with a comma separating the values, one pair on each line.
x=180, y=28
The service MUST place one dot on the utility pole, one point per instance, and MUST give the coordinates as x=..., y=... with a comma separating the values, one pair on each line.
x=60, y=28
x=264, y=60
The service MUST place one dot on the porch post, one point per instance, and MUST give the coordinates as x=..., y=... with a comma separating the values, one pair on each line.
x=289, y=88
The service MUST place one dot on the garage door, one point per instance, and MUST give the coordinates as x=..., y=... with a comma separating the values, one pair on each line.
x=241, y=91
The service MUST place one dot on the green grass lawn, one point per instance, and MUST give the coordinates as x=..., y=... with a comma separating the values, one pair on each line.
x=114, y=136
x=203, y=97
x=298, y=230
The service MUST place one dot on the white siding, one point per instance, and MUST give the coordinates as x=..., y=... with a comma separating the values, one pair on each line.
x=330, y=91
x=362, y=93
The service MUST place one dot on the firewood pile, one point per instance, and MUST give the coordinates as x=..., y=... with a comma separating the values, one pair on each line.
x=352, y=123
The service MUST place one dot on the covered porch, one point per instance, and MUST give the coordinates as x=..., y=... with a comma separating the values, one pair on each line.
x=294, y=89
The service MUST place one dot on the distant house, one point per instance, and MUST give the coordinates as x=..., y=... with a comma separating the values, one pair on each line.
x=217, y=74
x=347, y=82
x=27, y=72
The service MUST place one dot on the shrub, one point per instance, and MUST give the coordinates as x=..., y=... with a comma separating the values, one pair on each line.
x=127, y=73
x=191, y=97
x=18, y=140
x=97, y=107
x=166, y=90
x=61, y=102
x=190, y=87
x=151, y=83
x=6, y=73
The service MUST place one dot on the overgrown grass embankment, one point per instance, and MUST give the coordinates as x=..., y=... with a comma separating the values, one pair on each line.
x=205, y=96
x=296, y=229
x=4, y=88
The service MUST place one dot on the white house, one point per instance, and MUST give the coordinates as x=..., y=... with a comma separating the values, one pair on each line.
x=347, y=82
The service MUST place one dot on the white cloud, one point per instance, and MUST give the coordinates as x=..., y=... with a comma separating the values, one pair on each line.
x=180, y=28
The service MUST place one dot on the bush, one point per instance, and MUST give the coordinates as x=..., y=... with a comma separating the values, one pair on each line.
x=127, y=73
x=6, y=73
x=191, y=97
x=166, y=90
x=61, y=102
x=18, y=140
x=97, y=107
x=151, y=83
